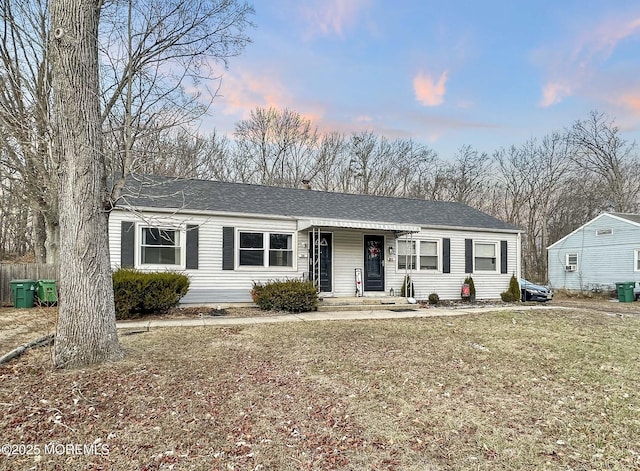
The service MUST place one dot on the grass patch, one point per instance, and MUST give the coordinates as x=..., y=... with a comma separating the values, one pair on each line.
x=526, y=390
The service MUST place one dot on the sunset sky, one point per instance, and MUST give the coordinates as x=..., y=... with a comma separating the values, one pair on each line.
x=486, y=74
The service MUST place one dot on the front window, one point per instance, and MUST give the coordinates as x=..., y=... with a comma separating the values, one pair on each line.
x=160, y=246
x=485, y=257
x=636, y=262
x=428, y=255
x=251, y=249
x=260, y=249
x=280, y=250
x=421, y=255
x=406, y=254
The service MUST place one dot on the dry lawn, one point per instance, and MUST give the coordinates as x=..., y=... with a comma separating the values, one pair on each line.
x=550, y=390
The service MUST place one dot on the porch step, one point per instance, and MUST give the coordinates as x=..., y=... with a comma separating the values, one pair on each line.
x=364, y=304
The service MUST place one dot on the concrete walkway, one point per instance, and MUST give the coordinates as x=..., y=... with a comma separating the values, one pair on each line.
x=321, y=316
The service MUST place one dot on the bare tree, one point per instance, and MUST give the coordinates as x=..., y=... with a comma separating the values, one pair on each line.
x=468, y=177
x=153, y=55
x=331, y=169
x=279, y=145
x=152, y=52
x=25, y=96
x=86, y=330
x=600, y=149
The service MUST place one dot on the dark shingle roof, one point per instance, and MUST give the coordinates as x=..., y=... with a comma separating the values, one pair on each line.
x=206, y=195
x=629, y=217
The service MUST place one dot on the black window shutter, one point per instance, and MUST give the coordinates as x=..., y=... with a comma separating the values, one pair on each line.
x=503, y=256
x=227, y=248
x=446, y=255
x=192, y=247
x=127, y=244
x=468, y=255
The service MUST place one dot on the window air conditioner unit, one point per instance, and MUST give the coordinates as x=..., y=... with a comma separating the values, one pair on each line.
x=571, y=268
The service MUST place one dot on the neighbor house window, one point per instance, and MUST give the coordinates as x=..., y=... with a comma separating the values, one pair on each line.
x=636, y=260
x=572, y=259
x=265, y=249
x=406, y=255
x=485, y=257
x=160, y=246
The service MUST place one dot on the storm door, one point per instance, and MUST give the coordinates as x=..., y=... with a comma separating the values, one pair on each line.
x=373, y=263
x=325, y=261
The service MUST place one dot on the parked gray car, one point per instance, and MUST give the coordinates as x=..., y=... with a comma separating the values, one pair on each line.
x=533, y=292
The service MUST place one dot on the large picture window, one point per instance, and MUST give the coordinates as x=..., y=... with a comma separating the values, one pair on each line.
x=485, y=257
x=262, y=249
x=160, y=246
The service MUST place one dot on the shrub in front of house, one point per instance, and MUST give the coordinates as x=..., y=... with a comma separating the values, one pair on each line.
x=138, y=293
x=434, y=298
x=407, y=290
x=286, y=295
x=472, y=290
x=513, y=293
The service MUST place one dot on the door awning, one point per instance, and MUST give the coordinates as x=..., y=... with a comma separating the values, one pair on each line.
x=348, y=224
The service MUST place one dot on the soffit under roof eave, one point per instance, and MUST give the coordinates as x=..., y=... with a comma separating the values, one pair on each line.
x=348, y=224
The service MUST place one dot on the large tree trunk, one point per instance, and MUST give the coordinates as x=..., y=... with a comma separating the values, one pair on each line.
x=86, y=331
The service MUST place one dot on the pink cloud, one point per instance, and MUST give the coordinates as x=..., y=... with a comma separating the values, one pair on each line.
x=573, y=66
x=554, y=92
x=605, y=37
x=333, y=17
x=239, y=94
x=429, y=92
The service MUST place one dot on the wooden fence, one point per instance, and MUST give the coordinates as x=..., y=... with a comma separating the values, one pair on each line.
x=23, y=271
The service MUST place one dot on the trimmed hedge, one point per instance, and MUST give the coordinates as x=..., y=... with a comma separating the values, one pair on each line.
x=286, y=295
x=138, y=293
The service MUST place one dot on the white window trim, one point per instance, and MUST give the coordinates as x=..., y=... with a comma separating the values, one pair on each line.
x=182, y=246
x=566, y=259
x=636, y=254
x=496, y=252
x=265, y=248
x=417, y=243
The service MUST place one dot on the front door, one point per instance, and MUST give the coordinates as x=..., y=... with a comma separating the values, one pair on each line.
x=326, y=261
x=373, y=263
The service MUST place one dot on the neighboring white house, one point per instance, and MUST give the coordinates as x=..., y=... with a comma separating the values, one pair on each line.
x=225, y=236
x=597, y=255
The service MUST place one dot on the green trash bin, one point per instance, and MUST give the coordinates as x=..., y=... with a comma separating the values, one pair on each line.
x=46, y=292
x=625, y=291
x=23, y=291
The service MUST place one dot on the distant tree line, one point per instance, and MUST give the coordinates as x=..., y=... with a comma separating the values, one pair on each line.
x=547, y=186
x=151, y=54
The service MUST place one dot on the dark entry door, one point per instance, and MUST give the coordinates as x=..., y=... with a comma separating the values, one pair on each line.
x=326, y=261
x=373, y=263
